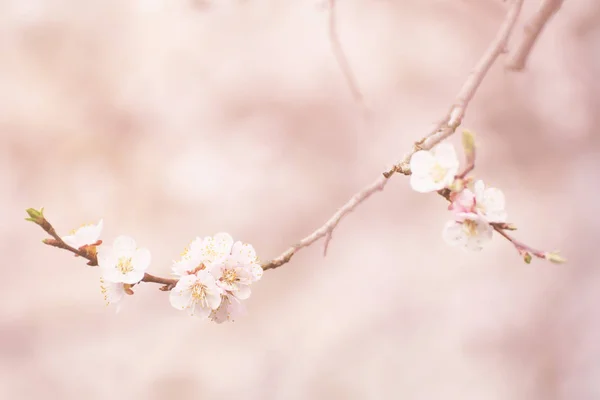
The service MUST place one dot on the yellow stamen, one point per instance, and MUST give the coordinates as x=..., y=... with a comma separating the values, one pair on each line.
x=438, y=173
x=199, y=294
x=125, y=265
x=229, y=276
x=470, y=227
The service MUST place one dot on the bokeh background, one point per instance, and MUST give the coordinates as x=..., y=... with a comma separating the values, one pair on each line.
x=172, y=119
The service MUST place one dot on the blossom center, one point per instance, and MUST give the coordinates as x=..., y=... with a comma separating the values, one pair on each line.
x=470, y=227
x=438, y=173
x=125, y=265
x=229, y=276
x=199, y=294
x=210, y=252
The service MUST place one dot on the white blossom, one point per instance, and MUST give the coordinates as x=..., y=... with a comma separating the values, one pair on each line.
x=229, y=310
x=468, y=230
x=113, y=293
x=123, y=262
x=233, y=277
x=203, y=252
x=86, y=235
x=197, y=293
x=215, y=274
x=490, y=202
x=435, y=169
x=245, y=254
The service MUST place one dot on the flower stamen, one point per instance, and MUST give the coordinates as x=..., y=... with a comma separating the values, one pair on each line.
x=199, y=294
x=229, y=276
x=438, y=173
x=124, y=265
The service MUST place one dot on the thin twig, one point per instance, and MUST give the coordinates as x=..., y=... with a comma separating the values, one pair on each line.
x=330, y=225
x=532, y=31
x=457, y=111
x=169, y=283
x=446, y=127
x=451, y=122
x=521, y=247
x=340, y=55
x=89, y=253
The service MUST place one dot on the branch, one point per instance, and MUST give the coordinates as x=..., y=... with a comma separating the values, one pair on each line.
x=532, y=31
x=327, y=229
x=340, y=56
x=443, y=129
x=456, y=113
x=446, y=127
x=87, y=252
x=526, y=251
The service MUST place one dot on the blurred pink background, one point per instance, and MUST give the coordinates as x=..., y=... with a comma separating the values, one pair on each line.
x=173, y=119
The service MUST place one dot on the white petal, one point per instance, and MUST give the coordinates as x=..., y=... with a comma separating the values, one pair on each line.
x=217, y=269
x=496, y=216
x=243, y=292
x=226, y=285
x=223, y=243
x=99, y=227
x=221, y=314
x=245, y=275
x=423, y=184
x=473, y=244
x=421, y=162
x=205, y=277
x=463, y=202
x=132, y=277
x=479, y=189
x=195, y=247
x=141, y=259
x=213, y=297
x=484, y=231
x=494, y=199
x=453, y=233
x=448, y=178
x=113, y=292
x=72, y=241
x=445, y=155
x=180, y=299
x=182, y=267
x=89, y=234
x=111, y=274
x=464, y=216
x=186, y=282
x=124, y=245
x=200, y=312
x=229, y=310
x=257, y=272
x=483, y=235
x=106, y=257
x=243, y=253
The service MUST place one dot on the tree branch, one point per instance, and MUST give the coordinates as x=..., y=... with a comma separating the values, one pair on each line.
x=532, y=31
x=456, y=113
x=340, y=56
x=444, y=128
x=330, y=225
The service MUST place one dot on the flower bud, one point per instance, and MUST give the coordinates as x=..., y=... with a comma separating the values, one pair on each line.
x=555, y=258
x=35, y=216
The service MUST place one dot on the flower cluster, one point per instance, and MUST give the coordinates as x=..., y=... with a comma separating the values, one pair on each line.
x=473, y=210
x=215, y=274
x=121, y=265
